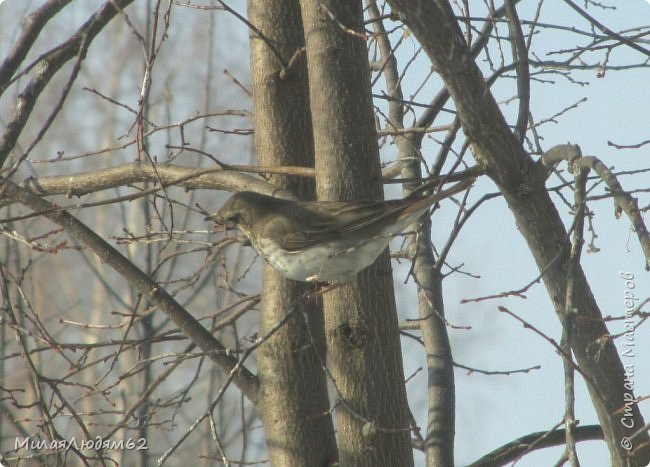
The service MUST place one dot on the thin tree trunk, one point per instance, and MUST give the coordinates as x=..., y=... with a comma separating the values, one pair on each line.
x=438, y=439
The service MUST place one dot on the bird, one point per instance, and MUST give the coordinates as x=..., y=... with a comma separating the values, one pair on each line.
x=323, y=241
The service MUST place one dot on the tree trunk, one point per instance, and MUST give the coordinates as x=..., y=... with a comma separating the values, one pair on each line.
x=360, y=318
x=293, y=402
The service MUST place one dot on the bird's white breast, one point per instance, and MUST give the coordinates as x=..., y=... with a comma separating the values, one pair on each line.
x=324, y=263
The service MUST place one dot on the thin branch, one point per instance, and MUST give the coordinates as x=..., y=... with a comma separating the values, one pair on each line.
x=623, y=201
x=515, y=449
x=34, y=23
x=551, y=341
x=258, y=33
x=520, y=55
x=628, y=146
x=569, y=315
x=606, y=30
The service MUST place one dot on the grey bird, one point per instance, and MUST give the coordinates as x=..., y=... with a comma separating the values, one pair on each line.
x=324, y=241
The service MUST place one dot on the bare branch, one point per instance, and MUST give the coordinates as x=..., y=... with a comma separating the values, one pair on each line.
x=515, y=449
x=623, y=201
x=520, y=56
x=606, y=30
x=34, y=23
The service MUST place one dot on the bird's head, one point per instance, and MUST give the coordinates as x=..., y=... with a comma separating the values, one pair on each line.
x=240, y=211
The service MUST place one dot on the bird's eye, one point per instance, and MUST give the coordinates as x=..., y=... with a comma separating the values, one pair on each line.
x=232, y=219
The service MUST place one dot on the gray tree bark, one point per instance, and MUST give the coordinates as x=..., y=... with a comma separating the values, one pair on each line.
x=293, y=402
x=360, y=318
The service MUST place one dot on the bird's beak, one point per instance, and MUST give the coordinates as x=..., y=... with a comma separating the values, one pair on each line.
x=220, y=222
x=217, y=220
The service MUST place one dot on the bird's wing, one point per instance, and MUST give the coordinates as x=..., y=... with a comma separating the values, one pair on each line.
x=365, y=214
x=327, y=221
x=383, y=218
x=334, y=221
x=301, y=228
